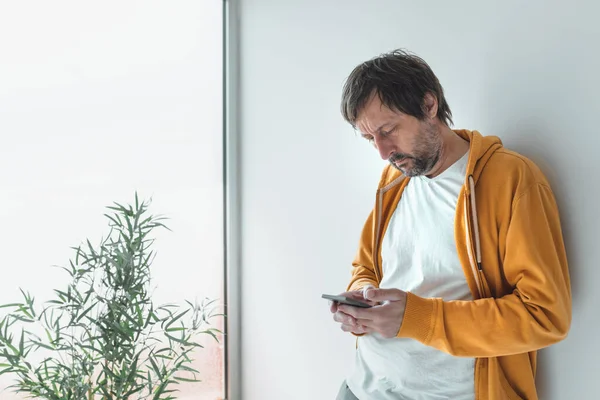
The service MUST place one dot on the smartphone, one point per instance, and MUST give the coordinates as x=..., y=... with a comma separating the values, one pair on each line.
x=346, y=300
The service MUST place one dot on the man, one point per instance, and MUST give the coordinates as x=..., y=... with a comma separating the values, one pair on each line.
x=462, y=256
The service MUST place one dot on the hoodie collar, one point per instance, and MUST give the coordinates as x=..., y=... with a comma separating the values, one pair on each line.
x=481, y=148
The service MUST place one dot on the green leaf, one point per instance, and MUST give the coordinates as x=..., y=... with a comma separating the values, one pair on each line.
x=164, y=349
x=182, y=341
x=133, y=391
x=84, y=313
x=71, y=272
x=180, y=379
x=22, y=343
x=154, y=366
x=114, y=208
x=178, y=329
x=12, y=348
x=190, y=369
x=23, y=319
x=28, y=298
x=211, y=332
x=25, y=312
x=181, y=314
x=91, y=249
x=62, y=295
x=40, y=344
x=11, y=305
x=113, y=219
x=48, y=335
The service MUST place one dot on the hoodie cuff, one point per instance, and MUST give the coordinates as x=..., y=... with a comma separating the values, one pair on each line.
x=419, y=318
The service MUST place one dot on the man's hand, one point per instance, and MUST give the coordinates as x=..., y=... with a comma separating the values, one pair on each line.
x=384, y=319
x=356, y=295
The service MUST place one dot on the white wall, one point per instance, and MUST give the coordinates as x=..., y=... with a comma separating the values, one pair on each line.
x=98, y=100
x=526, y=71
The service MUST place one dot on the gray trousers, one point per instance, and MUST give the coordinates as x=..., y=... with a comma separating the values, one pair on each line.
x=345, y=393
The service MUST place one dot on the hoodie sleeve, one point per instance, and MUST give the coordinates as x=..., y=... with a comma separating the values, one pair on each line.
x=363, y=268
x=536, y=314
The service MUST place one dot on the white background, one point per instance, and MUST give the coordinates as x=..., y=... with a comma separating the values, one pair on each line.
x=98, y=100
x=525, y=71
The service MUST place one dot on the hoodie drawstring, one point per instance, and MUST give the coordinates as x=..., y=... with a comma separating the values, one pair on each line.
x=475, y=223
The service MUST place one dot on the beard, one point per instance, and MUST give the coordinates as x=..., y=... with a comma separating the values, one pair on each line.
x=428, y=150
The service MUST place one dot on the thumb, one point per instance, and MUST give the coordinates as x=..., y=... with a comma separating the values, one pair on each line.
x=380, y=295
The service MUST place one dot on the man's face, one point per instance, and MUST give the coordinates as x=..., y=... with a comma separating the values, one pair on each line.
x=410, y=145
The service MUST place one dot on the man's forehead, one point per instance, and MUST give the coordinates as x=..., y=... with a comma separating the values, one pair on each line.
x=368, y=126
x=374, y=117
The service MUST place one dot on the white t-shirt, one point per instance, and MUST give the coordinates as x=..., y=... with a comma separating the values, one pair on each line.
x=419, y=256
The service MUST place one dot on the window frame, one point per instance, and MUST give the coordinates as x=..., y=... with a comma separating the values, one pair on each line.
x=231, y=203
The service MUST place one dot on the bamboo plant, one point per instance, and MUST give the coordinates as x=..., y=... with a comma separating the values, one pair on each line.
x=102, y=337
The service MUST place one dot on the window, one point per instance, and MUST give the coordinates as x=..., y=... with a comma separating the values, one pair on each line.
x=99, y=100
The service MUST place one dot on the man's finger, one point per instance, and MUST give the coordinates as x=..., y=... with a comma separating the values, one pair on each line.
x=380, y=295
x=356, y=312
x=333, y=306
x=344, y=318
x=364, y=322
x=357, y=329
x=355, y=294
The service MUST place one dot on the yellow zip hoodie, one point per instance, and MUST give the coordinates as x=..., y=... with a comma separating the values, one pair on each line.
x=509, y=242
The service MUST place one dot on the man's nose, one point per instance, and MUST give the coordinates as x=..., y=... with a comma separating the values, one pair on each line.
x=384, y=147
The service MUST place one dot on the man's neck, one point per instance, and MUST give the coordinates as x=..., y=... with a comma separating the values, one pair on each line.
x=453, y=148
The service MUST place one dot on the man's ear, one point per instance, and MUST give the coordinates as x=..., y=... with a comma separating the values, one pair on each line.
x=430, y=105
